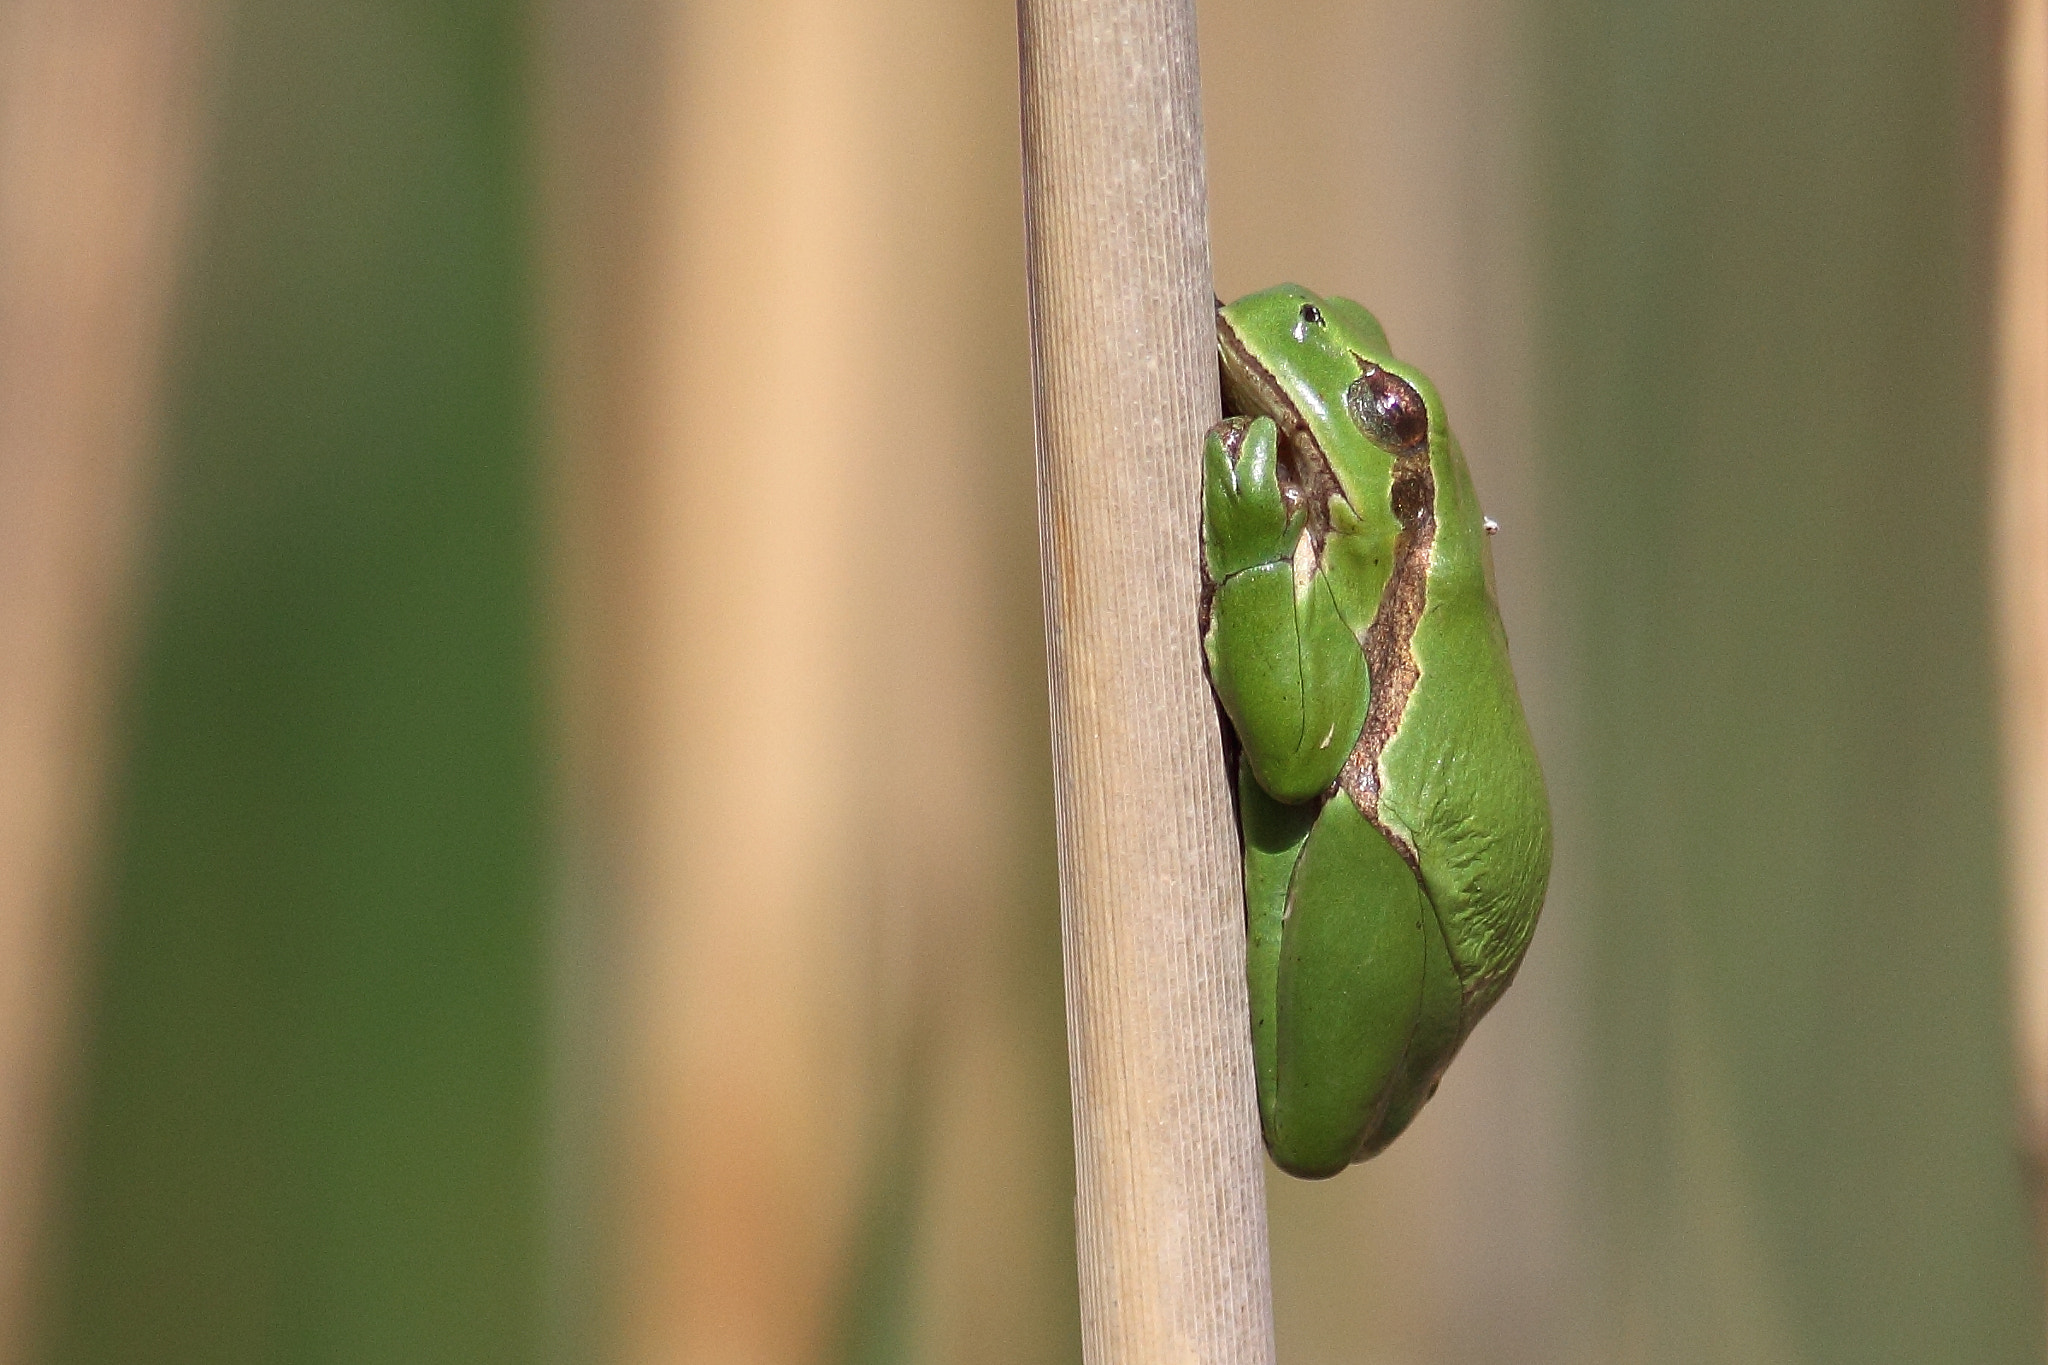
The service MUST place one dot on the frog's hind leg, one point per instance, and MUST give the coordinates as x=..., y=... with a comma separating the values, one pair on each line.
x=1439, y=1031
x=1348, y=990
x=1273, y=836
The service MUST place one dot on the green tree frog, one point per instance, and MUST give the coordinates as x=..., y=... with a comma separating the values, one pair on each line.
x=1395, y=830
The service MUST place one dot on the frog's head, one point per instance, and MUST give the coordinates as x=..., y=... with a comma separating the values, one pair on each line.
x=1322, y=370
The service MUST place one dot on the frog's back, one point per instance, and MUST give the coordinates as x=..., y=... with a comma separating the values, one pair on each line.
x=1462, y=773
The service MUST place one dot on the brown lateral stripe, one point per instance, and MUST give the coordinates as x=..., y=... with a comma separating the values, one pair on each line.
x=1390, y=639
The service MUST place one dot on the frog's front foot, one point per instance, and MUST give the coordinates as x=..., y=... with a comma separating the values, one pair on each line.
x=1246, y=521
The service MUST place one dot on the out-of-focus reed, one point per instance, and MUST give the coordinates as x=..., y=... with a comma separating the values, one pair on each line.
x=796, y=419
x=2021, y=526
x=98, y=126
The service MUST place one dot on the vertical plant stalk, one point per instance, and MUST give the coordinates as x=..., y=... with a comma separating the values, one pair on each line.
x=98, y=132
x=2022, y=536
x=1169, y=1209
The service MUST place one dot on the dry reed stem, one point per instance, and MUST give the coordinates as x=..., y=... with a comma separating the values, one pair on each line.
x=1170, y=1206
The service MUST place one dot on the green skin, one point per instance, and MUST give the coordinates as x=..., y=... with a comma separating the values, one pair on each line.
x=1396, y=833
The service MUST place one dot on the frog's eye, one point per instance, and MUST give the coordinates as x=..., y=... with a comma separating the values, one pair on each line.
x=1312, y=314
x=1387, y=409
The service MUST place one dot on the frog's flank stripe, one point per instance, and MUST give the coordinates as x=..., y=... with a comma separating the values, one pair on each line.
x=1390, y=639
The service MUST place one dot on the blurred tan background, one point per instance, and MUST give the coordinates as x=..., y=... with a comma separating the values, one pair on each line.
x=542, y=850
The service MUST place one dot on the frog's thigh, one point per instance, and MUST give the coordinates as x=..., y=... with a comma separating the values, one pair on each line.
x=1291, y=675
x=1439, y=1032
x=1273, y=838
x=1348, y=988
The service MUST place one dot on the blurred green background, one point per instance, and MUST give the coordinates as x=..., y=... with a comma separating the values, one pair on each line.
x=1708, y=287
x=1766, y=327
x=311, y=1111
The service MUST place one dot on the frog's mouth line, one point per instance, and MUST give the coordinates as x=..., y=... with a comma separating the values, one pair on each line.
x=1250, y=390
